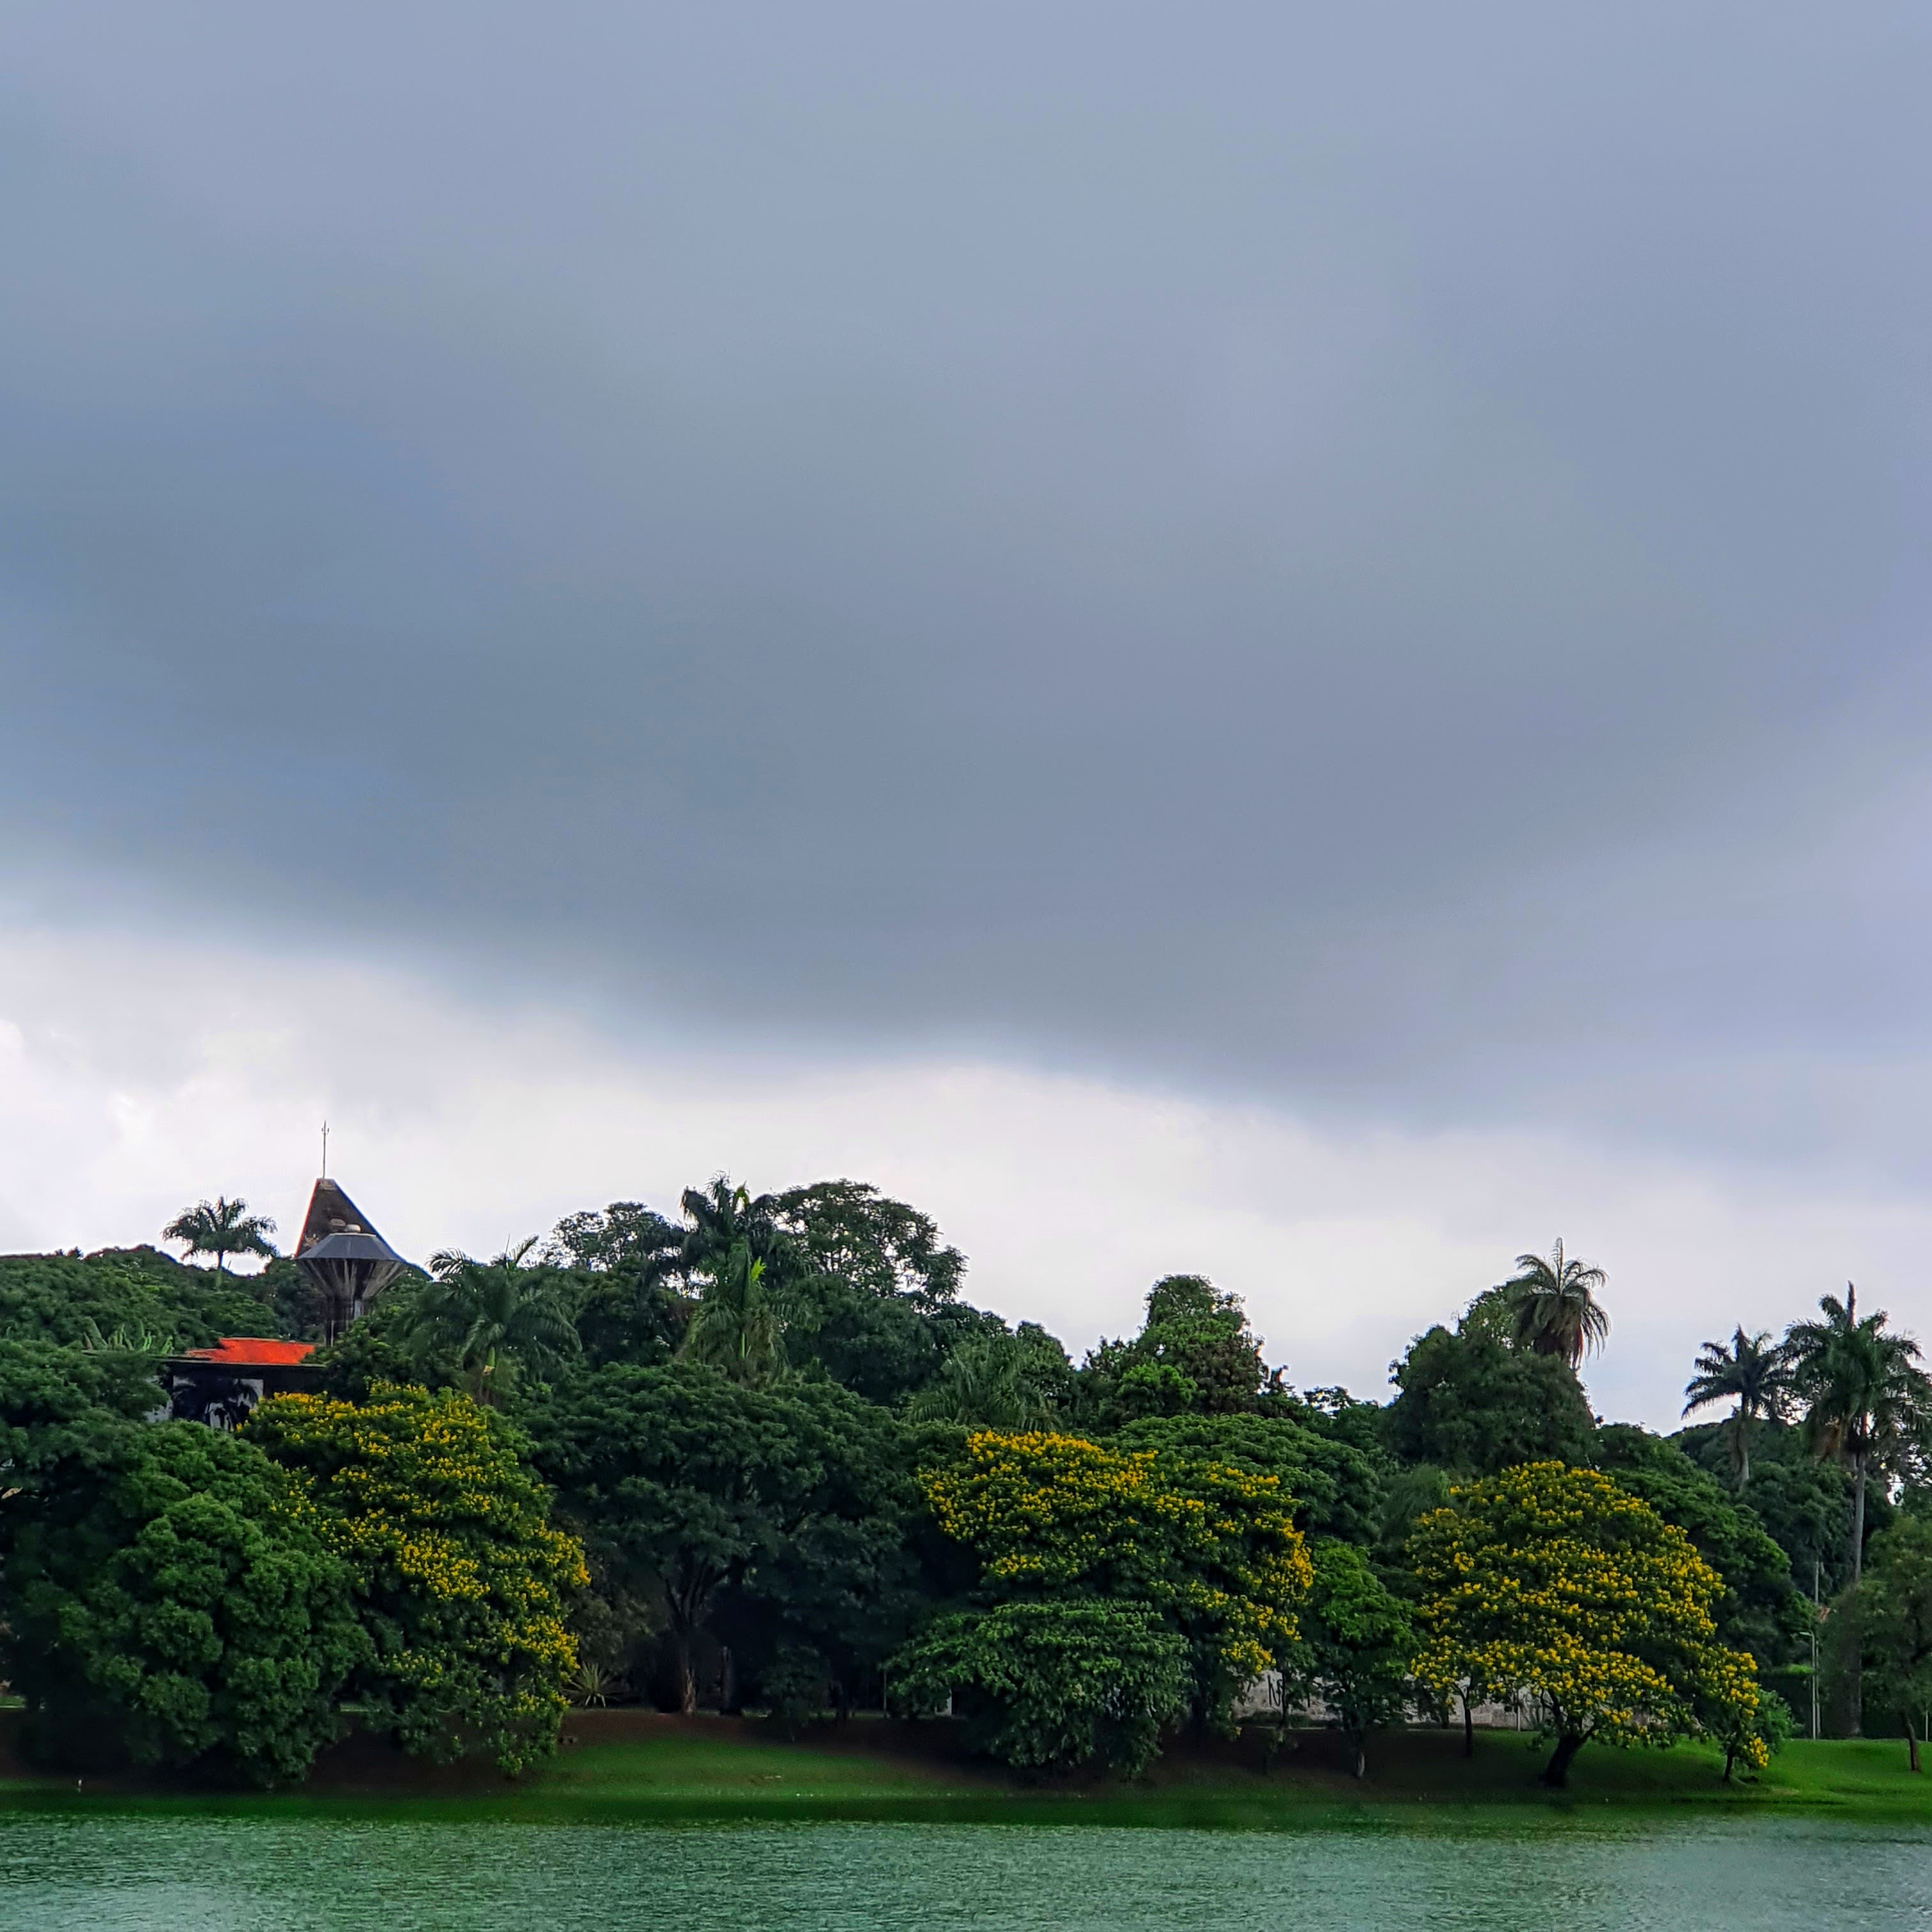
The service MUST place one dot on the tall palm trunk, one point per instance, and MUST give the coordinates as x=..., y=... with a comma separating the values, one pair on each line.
x=1858, y=1472
x=1858, y=1552
x=1744, y=1449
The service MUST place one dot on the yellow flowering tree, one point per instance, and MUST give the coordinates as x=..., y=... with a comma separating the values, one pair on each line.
x=1205, y=1551
x=1553, y=1582
x=458, y=1574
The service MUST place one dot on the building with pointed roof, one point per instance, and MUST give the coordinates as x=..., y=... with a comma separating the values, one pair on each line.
x=348, y=1263
x=345, y=1258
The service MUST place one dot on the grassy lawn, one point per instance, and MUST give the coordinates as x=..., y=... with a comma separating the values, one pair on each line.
x=624, y=1766
x=725, y=1774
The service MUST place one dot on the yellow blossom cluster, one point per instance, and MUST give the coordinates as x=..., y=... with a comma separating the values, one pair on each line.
x=447, y=1539
x=1213, y=1546
x=1555, y=1582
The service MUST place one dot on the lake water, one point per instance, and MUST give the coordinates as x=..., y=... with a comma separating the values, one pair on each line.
x=112, y=1872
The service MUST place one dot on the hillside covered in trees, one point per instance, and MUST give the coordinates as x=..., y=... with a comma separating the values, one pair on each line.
x=765, y=1453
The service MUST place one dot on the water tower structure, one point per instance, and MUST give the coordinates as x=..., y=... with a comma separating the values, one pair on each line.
x=344, y=1258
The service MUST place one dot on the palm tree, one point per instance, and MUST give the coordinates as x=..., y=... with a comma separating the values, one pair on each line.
x=1867, y=1403
x=983, y=1381
x=221, y=1227
x=500, y=1318
x=1553, y=1306
x=739, y=1324
x=723, y=1217
x=1753, y=1369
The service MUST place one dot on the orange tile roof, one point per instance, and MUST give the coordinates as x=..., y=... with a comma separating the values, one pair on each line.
x=252, y=1352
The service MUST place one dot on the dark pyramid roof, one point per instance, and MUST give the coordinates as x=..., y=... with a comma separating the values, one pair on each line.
x=352, y=1247
x=332, y=1212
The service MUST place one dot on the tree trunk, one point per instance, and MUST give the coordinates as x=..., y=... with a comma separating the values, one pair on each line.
x=1361, y=1757
x=1911, y=1741
x=1743, y=1451
x=681, y=1672
x=1468, y=1728
x=1858, y=1521
x=1730, y=1760
x=1556, y=1772
x=1858, y=1575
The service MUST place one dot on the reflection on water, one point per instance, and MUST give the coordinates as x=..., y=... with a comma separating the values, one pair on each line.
x=110, y=1872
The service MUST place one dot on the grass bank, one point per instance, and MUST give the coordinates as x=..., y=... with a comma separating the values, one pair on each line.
x=630, y=1765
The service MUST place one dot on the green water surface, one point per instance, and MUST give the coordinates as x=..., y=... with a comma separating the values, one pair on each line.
x=104, y=1871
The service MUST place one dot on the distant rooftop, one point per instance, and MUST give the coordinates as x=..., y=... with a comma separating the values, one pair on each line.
x=250, y=1351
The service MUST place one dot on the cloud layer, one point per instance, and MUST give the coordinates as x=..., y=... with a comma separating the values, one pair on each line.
x=134, y=1086
x=1357, y=568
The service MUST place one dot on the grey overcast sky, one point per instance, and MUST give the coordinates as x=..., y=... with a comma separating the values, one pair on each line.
x=1283, y=637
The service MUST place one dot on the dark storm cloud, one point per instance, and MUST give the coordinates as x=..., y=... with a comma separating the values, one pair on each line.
x=1373, y=550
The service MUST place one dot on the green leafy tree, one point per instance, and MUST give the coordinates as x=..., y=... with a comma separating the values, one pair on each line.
x=1894, y=1623
x=71, y=1298
x=796, y=1501
x=1557, y=1583
x=176, y=1598
x=1868, y=1406
x=795, y=1686
x=1803, y=1503
x=1760, y=1610
x=69, y=1419
x=876, y=1290
x=1194, y=1353
x=625, y=1235
x=629, y=1282
x=849, y=1232
x=500, y=1320
x=1752, y=1372
x=221, y=1227
x=1357, y=1640
x=1053, y=1684
x=461, y=1582
x=1553, y=1306
x=1471, y=1404
x=1867, y=1403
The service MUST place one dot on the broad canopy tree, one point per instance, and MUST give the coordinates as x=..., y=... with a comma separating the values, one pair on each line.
x=185, y=1603
x=162, y=1590
x=1557, y=1583
x=696, y=1488
x=462, y=1582
x=1054, y=1683
x=1207, y=1550
x=1471, y=1403
x=1195, y=1354
x=1358, y=1642
x=1893, y=1616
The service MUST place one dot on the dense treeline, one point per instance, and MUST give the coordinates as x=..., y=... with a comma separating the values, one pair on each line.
x=764, y=1453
